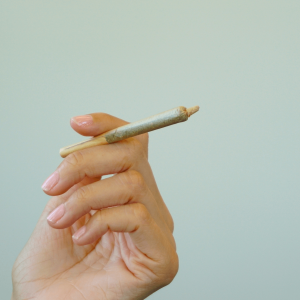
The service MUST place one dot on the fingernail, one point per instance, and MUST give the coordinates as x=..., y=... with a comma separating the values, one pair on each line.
x=50, y=182
x=83, y=121
x=57, y=214
x=79, y=233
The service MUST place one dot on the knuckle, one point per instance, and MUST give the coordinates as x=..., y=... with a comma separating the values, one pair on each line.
x=99, y=217
x=141, y=213
x=124, y=160
x=82, y=194
x=133, y=151
x=134, y=180
x=75, y=159
x=136, y=149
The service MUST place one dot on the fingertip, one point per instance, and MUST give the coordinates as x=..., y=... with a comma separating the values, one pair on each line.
x=95, y=123
x=54, y=225
x=82, y=121
x=79, y=237
x=85, y=125
x=50, y=182
x=56, y=215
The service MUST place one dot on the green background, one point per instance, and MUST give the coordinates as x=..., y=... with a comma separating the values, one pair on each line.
x=230, y=175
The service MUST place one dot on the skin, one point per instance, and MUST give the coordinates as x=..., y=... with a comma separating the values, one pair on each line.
x=127, y=250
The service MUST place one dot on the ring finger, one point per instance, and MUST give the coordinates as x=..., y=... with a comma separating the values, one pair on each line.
x=124, y=188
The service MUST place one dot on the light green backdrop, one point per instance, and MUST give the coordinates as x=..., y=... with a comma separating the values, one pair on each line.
x=230, y=175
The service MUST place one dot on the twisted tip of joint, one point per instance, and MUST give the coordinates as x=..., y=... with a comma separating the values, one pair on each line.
x=192, y=110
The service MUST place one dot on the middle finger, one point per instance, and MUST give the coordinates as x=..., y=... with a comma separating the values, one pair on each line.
x=121, y=189
x=93, y=162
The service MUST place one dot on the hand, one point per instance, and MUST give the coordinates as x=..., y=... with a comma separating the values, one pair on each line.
x=105, y=239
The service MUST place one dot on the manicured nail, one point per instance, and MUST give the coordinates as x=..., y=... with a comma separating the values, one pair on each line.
x=50, y=182
x=57, y=214
x=83, y=121
x=79, y=233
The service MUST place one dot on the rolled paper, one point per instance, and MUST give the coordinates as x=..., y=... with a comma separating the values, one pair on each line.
x=164, y=119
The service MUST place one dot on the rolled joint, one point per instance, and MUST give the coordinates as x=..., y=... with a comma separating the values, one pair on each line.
x=167, y=118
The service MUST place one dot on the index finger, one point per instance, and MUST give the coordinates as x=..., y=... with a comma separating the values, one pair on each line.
x=98, y=123
x=95, y=124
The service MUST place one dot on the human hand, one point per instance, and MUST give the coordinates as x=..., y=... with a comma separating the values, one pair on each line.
x=107, y=239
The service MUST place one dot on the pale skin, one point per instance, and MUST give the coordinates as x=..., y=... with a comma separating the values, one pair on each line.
x=99, y=239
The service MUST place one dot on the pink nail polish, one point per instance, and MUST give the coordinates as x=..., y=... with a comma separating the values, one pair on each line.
x=79, y=233
x=50, y=182
x=57, y=214
x=83, y=121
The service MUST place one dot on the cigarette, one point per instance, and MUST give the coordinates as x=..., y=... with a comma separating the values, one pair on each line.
x=164, y=119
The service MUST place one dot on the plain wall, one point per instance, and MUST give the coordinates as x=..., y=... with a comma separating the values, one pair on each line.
x=230, y=175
